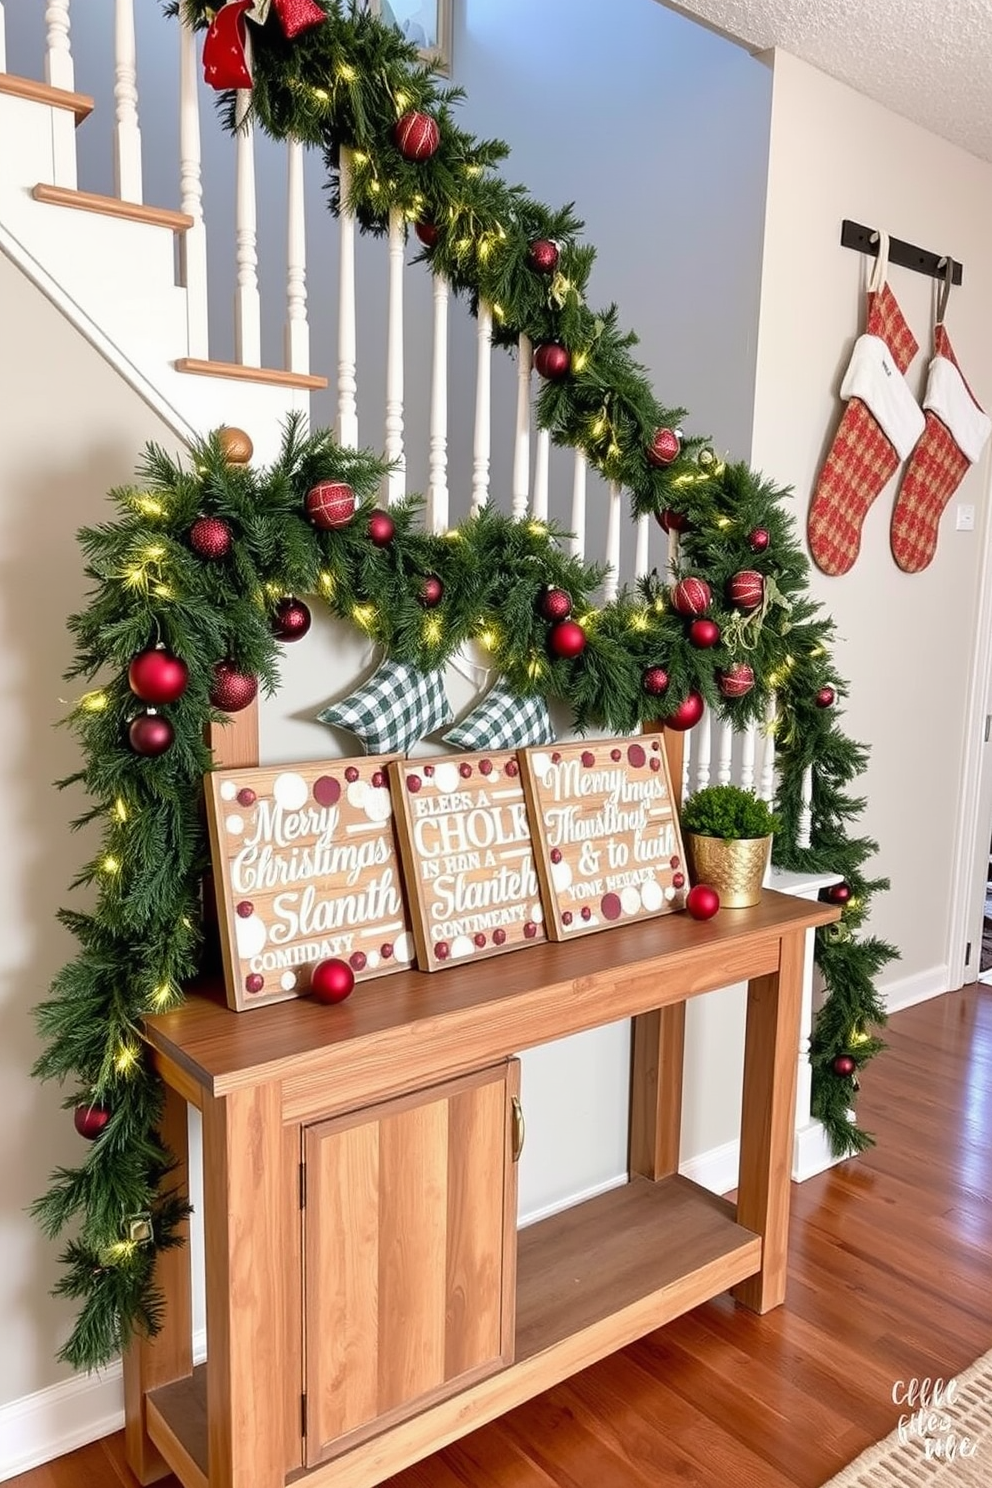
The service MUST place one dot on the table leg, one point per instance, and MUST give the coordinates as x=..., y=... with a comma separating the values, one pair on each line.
x=656, y=1092
x=767, y=1117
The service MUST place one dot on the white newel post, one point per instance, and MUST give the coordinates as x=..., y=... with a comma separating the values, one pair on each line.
x=127, y=135
x=483, y=409
x=396, y=479
x=437, y=484
x=247, y=302
x=702, y=736
x=347, y=329
x=296, y=348
x=641, y=559
x=193, y=242
x=521, y=444
x=580, y=473
x=612, y=580
x=59, y=73
x=749, y=746
x=724, y=756
x=542, y=472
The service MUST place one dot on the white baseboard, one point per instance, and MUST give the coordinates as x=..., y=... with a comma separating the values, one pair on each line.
x=921, y=987
x=534, y=1216
x=716, y=1169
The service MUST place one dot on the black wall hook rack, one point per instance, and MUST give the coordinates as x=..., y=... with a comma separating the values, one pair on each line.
x=906, y=255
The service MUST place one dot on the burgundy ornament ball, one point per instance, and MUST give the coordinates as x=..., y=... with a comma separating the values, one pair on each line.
x=567, y=639
x=736, y=681
x=759, y=539
x=427, y=233
x=417, y=136
x=211, y=538
x=232, y=690
x=665, y=447
x=746, y=589
x=543, y=255
x=156, y=676
x=687, y=714
x=330, y=504
x=332, y=981
x=704, y=633
x=553, y=361
x=431, y=592
x=844, y=1065
x=826, y=697
x=292, y=620
x=702, y=902
x=556, y=604
x=839, y=893
x=382, y=529
x=654, y=682
x=691, y=597
x=150, y=734
x=90, y=1121
x=671, y=520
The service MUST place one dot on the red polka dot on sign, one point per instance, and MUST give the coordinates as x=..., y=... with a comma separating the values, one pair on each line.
x=512, y=768
x=655, y=745
x=530, y=930
x=556, y=855
x=246, y=797
x=636, y=756
x=351, y=774
x=442, y=950
x=556, y=758
x=655, y=762
x=386, y=950
x=245, y=909
x=615, y=755
x=358, y=961
x=254, y=983
x=413, y=784
x=429, y=771
x=326, y=791
x=464, y=769
x=611, y=906
x=586, y=912
x=675, y=862
x=378, y=779
x=499, y=937
x=588, y=758
x=566, y=918
x=479, y=939
x=485, y=767
x=678, y=880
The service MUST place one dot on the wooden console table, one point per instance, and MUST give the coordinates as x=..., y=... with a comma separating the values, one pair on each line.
x=368, y=1297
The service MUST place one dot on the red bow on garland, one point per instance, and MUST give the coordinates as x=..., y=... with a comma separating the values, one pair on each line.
x=225, y=57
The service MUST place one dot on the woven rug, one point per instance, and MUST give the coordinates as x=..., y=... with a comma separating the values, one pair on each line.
x=945, y=1445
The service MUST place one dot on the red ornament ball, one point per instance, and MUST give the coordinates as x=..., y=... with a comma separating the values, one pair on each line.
x=664, y=448
x=556, y=604
x=417, y=136
x=567, y=639
x=691, y=597
x=292, y=620
x=825, y=698
x=431, y=592
x=702, y=902
x=543, y=255
x=211, y=538
x=232, y=690
x=90, y=1121
x=157, y=676
x=844, y=1065
x=759, y=539
x=150, y=734
x=704, y=633
x=736, y=681
x=427, y=233
x=746, y=589
x=330, y=504
x=332, y=980
x=671, y=520
x=655, y=683
x=687, y=714
x=553, y=361
x=382, y=529
x=839, y=893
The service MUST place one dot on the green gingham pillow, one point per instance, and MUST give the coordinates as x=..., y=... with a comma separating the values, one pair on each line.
x=394, y=709
x=503, y=720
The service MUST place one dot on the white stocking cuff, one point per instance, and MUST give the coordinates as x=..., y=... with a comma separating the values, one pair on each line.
x=874, y=378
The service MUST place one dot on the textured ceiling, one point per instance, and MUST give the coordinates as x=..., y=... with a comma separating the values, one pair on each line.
x=926, y=59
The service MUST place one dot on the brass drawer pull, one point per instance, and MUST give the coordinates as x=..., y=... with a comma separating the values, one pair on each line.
x=519, y=1128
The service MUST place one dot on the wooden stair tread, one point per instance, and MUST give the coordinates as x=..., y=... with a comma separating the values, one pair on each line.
x=79, y=104
x=112, y=206
x=240, y=373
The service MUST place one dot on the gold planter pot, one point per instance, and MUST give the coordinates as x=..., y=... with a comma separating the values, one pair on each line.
x=735, y=869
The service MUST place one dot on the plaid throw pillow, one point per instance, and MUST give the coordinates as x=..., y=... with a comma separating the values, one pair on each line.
x=503, y=720
x=393, y=710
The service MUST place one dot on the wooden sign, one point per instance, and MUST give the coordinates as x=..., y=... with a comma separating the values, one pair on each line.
x=465, y=840
x=606, y=834
x=305, y=869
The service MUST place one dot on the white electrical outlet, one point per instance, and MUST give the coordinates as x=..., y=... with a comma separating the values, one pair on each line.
x=965, y=519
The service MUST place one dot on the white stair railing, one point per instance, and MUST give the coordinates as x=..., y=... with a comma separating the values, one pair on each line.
x=193, y=242
x=521, y=443
x=127, y=135
x=577, y=525
x=396, y=478
x=296, y=336
x=3, y=40
x=247, y=299
x=347, y=329
x=59, y=73
x=437, y=487
x=482, y=442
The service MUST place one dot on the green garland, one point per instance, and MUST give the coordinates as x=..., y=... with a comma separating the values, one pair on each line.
x=347, y=81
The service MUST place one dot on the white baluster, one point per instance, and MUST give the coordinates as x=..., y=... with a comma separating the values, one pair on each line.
x=686, y=759
x=347, y=332
x=521, y=446
x=612, y=580
x=749, y=742
x=59, y=73
x=247, y=304
x=542, y=469
x=641, y=559
x=193, y=242
x=483, y=408
x=578, y=543
x=724, y=754
x=805, y=824
x=704, y=749
x=127, y=135
x=437, y=486
x=673, y=554
x=296, y=337
x=396, y=479
x=3, y=41
x=766, y=790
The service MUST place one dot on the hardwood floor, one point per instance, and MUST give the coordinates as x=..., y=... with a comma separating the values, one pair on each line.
x=890, y=1278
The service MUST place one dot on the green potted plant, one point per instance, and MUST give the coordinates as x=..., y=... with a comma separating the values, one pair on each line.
x=728, y=836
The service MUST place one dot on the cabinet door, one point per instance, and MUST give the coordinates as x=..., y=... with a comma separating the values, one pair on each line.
x=410, y=1244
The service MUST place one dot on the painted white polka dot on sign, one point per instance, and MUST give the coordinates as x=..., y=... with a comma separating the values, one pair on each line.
x=378, y=806
x=446, y=778
x=288, y=981
x=462, y=946
x=537, y=914
x=235, y=824
x=373, y=960
x=228, y=790
x=250, y=936
x=290, y=791
x=561, y=876
x=669, y=893
x=651, y=895
x=357, y=792
x=630, y=899
x=541, y=763
x=403, y=947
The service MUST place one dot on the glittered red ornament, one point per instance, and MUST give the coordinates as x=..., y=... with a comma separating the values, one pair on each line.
x=431, y=592
x=542, y=255
x=838, y=893
x=556, y=604
x=332, y=981
x=232, y=690
x=292, y=620
x=567, y=639
x=825, y=698
x=691, y=597
x=330, y=504
x=553, y=361
x=211, y=538
x=746, y=589
x=664, y=448
x=150, y=734
x=156, y=676
x=655, y=682
x=671, y=520
x=298, y=15
x=759, y=539
x=844, y=1065
x=417, y=136
x=736, y=681
x=90, y=1121
x=427, y=233
x=382, y=529
x=702, y=902
x=687, y=714
x=704, y=633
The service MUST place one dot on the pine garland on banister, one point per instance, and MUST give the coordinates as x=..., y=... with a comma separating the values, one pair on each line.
x=203, y=561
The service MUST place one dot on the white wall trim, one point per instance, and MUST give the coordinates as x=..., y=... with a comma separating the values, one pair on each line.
x=921, y=987
x=534, y=1216
x=716, y=1169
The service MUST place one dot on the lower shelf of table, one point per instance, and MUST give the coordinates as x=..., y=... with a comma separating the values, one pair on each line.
x=589, y=1280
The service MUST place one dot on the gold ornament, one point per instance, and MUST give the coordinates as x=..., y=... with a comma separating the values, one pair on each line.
x=236, y=446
